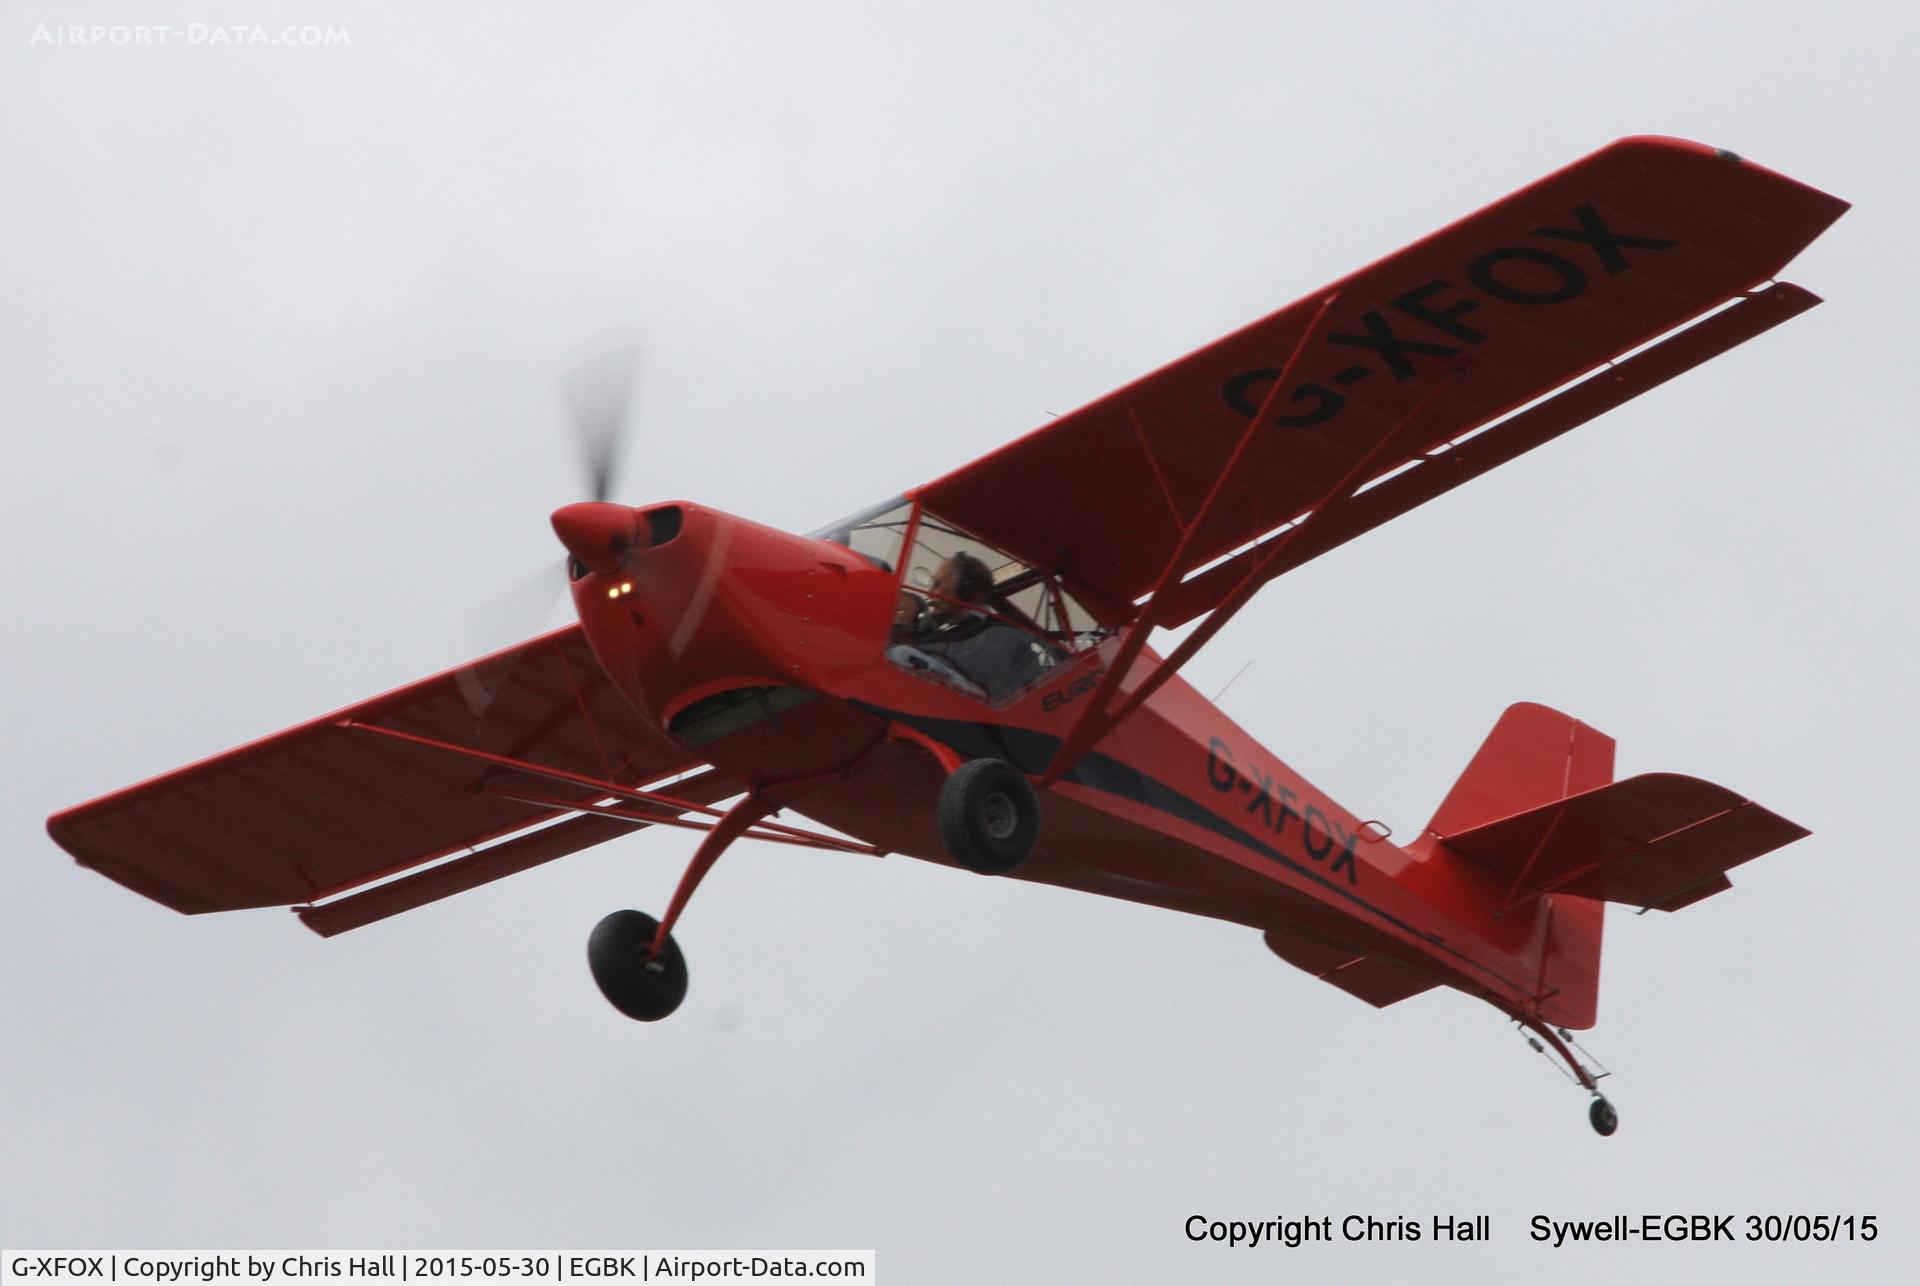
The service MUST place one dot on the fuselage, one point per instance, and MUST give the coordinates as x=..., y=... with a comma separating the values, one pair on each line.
x=767, y=654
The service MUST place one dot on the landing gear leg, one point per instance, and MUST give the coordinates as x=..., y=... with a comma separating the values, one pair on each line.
x=634, y=958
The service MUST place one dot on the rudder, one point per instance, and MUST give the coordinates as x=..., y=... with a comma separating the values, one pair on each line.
x=1536, y=756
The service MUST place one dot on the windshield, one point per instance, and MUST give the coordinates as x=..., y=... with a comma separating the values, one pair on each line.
x=875, y=533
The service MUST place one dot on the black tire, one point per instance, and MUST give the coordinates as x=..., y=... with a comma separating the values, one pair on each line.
x=643, y=989
x=989, y=817
x=1602, y=1117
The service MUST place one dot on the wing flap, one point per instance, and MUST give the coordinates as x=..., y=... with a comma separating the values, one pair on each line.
x=496, y=862
x=1659, y=840
x=323, y=807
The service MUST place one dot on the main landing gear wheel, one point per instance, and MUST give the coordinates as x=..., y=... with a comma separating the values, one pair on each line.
x=1602, y=1117
x=644, y=987
x=989, y=817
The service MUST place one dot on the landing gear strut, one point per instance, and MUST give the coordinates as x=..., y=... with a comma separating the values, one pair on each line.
x=1601, y=1114
x=988, y=816
x=634, y=957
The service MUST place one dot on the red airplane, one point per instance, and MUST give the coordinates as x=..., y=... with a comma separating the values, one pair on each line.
x=962, y=674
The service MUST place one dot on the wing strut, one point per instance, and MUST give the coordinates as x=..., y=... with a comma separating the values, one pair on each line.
x=651, y=807
x=1347, y=510
x=1100, y=717
x=595, y=821
x=1094, y=722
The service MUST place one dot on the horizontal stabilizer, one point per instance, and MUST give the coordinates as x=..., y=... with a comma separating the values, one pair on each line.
x=1660, y=840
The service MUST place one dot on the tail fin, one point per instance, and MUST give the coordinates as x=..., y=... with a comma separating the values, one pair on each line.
x=1538, y=807
x=1534, y=758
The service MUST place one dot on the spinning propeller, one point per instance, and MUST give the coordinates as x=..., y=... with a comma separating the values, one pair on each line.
x=599, y=393
x=599, y=397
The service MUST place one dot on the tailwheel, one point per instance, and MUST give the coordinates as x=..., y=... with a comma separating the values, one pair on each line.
x=989, y=816
x=639, y=982
x=1600, y=1113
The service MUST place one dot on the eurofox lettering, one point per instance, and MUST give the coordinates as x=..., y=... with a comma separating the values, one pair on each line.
x=1072, y=690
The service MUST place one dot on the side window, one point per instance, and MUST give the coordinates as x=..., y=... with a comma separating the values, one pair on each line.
x=979, y=621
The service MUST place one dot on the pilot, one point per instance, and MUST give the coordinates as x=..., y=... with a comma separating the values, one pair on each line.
x=961, y=585
x=963, y=645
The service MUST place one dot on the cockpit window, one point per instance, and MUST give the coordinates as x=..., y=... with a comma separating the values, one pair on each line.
x=876, y=534
x=978, y=620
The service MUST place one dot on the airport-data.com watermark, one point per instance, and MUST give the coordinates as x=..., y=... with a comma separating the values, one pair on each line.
x=199, y=35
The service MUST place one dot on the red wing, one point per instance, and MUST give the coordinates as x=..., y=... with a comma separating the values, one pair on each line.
x=325, y=807
x=1503, y=307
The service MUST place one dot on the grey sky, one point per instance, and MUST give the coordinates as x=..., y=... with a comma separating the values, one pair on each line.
x=278, y=332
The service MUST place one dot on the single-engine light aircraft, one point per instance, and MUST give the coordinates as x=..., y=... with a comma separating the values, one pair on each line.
x=962, y=673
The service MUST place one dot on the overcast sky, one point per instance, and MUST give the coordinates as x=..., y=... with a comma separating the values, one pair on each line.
x=278, y=336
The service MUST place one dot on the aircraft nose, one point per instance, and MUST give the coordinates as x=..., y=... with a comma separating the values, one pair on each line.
x=597, y=533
